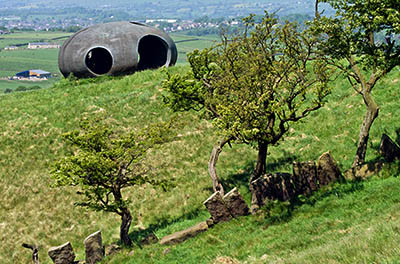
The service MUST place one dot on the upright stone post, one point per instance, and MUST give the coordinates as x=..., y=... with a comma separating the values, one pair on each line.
x=278, y=186
x=305, y=177
x=63, y=254
x=235, y=203
x=389, y=149
x=327, y=170
x=94, y=249
x=218, y=210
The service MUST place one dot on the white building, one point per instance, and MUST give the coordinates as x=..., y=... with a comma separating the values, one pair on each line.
x=43, y=45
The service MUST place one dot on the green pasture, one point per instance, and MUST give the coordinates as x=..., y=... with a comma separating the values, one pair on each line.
x=26, y=37
x=354, y=222
x=25, y=59
x=186, y=44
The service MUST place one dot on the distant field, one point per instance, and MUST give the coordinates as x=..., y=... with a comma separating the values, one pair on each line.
x=19, y=60
x=187, y=44
x=6, y=84
x=26, y=37
x=14, y=61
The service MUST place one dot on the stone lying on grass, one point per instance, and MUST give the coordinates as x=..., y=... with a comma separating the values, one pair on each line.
x=149, y=239
x=364, y=171
x=111, y=249
x=63, y=254
x=181, y=236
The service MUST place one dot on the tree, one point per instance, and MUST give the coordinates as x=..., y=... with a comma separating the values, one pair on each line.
x=252, y=85
x=103, y=164
x=348, y=42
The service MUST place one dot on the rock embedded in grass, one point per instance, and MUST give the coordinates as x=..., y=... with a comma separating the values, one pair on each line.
x=94, y=249
x=181, y=236
x=389, y=149
x=63, y=254
x=327, y=169
x=149, y=239
x=278, y=186
x=235, y=203
x=219, y=211
x=305, y=177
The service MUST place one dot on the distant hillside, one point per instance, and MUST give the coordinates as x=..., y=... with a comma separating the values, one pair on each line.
x=175, y=8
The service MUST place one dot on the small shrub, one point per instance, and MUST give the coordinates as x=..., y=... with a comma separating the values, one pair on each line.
x=21, y=88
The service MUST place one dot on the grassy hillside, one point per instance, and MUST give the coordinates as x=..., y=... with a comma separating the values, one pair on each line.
x=355, y=222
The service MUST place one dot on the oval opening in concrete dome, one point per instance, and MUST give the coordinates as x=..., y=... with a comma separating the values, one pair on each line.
x=99, y=60
x=153, y=52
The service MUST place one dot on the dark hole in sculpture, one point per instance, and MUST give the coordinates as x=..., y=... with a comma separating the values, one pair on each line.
x=152, y=52
x=99, y=60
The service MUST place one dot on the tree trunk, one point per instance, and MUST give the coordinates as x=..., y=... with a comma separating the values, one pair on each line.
x=212, y=166
x=126, y=218
x=316, y=9
x=370, y=116
x=261, y=169
x=261, y=165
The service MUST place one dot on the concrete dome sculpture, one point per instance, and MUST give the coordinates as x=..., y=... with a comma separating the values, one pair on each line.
x=116, y=48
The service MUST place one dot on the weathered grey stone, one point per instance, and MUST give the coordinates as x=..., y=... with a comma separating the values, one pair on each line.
x=388, y=149
x=210, y=222
x=305, y=177
x=278, y=186
x=364, y=171
x=111, y=249
x=63, y=254
x=166, y=251
x=150, y=239
x=327, y=169
x=217, y=208
x=94, y=249
x=181, y=236
x=235, y=203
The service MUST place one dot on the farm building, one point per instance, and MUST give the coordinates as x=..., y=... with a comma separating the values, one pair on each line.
x=34, y=73
x=43, y=45
x=11, y=48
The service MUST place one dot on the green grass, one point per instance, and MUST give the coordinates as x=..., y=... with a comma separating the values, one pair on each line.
x=24, y=59
x=26, y=37
x=7, y=84
x=353, y=223
x=186, y=44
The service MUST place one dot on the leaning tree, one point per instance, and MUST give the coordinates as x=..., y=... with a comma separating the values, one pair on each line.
x=252, y=86
x=103, y=163
x=349, y=42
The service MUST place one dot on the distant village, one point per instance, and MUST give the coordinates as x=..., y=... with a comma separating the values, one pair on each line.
x=174, y=25
x=168, y=25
